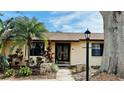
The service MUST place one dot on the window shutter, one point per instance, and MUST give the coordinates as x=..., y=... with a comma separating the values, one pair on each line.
x=101, y=49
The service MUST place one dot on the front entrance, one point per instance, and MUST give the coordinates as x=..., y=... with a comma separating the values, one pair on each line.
x=62, y=53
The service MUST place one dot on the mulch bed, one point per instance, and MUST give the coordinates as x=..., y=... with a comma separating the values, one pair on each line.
x=106, y=77
x=100, y=77
x=35, y=76
x=79, y=76
x=32, y=77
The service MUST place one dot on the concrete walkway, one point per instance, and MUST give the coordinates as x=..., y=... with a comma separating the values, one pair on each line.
x=64, y=75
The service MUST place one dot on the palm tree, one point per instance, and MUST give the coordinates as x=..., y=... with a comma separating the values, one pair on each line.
x=26, y=28
x=1, y=26
x=6, y=34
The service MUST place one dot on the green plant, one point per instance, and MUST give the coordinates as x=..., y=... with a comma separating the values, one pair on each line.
x=95, y=67
x=30, y=62
x=25, y=71
x=9, y=72
x=25, y=28
x=17, y=57
x=48, y=53
x=39, y=60
x=55, y=68
x=3, y=62
x=6, y=35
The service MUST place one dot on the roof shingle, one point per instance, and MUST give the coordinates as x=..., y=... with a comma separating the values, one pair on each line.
x=60, y=36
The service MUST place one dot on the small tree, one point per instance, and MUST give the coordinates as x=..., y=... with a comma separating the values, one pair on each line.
x=6, y=34
x=25, y=29
x=48, y=53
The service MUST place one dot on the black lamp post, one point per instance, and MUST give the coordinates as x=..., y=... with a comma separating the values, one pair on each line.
x=87, y=37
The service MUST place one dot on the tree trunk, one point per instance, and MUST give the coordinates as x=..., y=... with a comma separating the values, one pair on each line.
x=29, y=51
x=113, y=59
x=3, y=51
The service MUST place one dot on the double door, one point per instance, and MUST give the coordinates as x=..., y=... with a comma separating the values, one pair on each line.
x=62, y=53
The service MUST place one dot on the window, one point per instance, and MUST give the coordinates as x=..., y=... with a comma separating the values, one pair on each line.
x=37, y=49
x=97, y=49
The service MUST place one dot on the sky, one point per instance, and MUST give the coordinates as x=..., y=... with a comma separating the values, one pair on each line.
x=63, y=21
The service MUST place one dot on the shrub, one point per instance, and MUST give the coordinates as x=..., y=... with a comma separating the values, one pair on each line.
x=16, y=58
x=30, y=62
x=95, y=67
x=48, y=53
x=3, y=62
x=46, y=68
x=9, y=72
x=55, y=68
x=25, y=71
x=39, y=60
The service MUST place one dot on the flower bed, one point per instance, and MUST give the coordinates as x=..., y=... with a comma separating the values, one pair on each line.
x=32, y=77
x=25, y=74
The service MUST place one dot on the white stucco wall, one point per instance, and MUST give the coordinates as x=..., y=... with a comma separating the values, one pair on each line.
x=78, y=53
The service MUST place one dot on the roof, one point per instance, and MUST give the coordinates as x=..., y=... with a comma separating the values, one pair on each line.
x=61, y=36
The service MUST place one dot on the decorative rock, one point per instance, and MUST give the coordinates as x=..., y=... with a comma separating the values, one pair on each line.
x=80, y=68
x=45, y=68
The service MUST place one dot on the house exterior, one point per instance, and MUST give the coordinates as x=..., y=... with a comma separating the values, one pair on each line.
x=70, y=48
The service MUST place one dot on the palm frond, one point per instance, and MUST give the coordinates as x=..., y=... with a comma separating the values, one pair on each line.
x=42, y=37
x=23, y=29
x=18, y=44
x=1, y=26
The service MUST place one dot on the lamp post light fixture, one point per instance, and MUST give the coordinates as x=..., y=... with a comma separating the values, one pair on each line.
x=87, y=37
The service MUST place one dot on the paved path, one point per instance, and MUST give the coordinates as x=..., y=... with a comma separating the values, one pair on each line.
x=64, y=75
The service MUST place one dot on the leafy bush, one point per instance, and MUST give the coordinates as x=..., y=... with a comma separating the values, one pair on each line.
x=48, y=53
x=9, y=72
x=55, y=68
x=30, y=62
x=25, y=71
x=16, y=58
x=3, y=62
x=95, y=67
